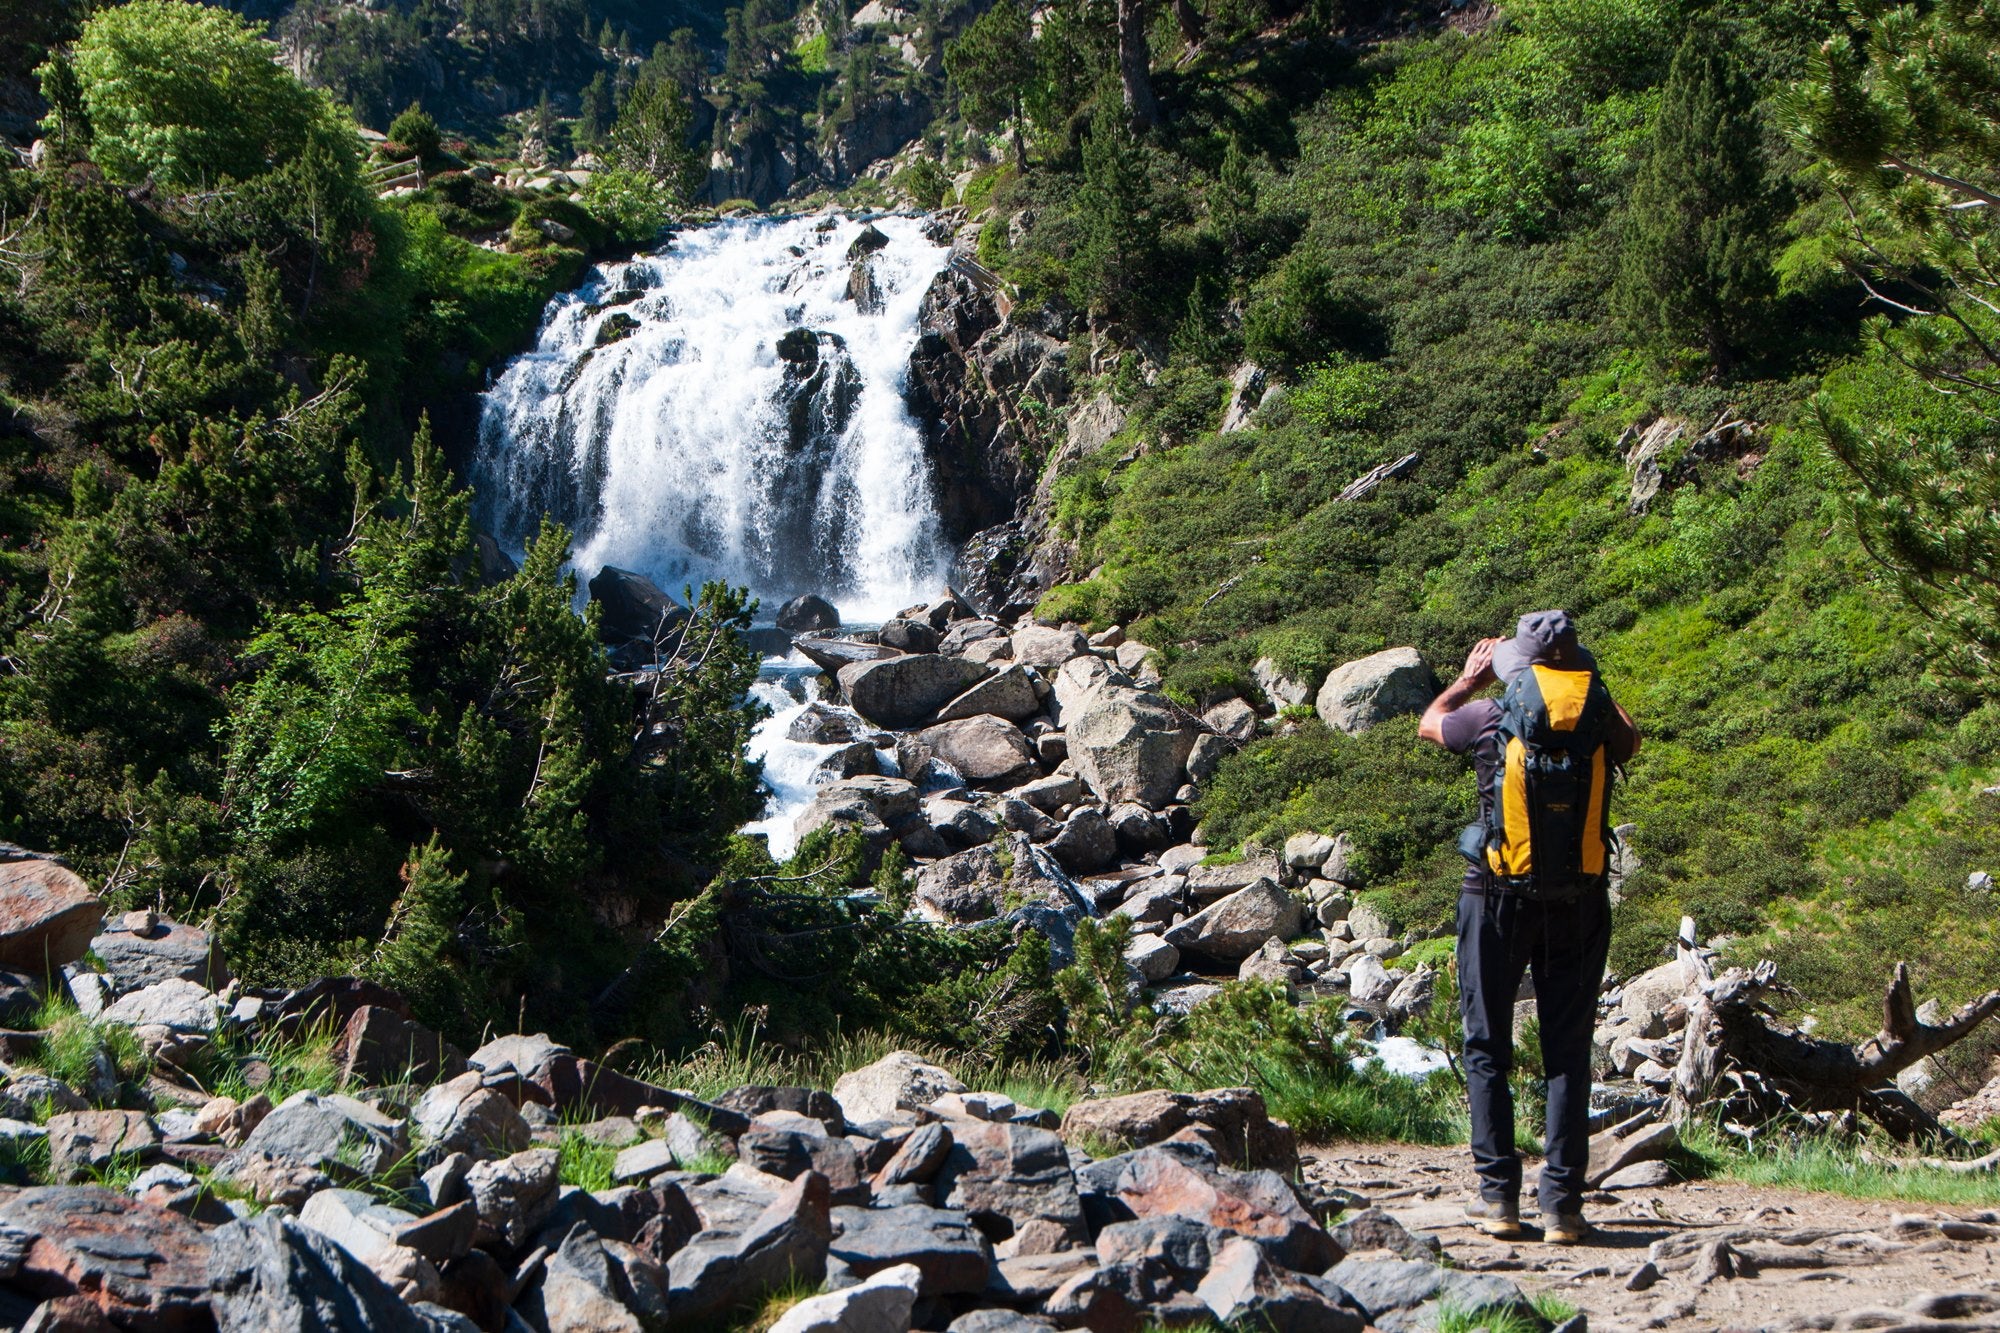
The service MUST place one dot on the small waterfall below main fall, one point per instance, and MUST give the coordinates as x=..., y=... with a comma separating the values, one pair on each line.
x=724, y=409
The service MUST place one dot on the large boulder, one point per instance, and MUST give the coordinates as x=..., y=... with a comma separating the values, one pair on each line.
x=1048, y=648
x=952, y=1255
x=1129, y=747
x=964, y=887
x=899, y=1082
x=273, y=1274
x=1374, y=689
x=907, y=691
x=463, y=1115
x=331, y=1133
x=1158, y=1182
x=635, y=610
x=786, y=1243
x=986, y=751
x=1085, y=843
x=809, y=612
x=1246, y=1290
x=1009, y=692
x=1237, y=926
x=48, y=915
x=380, y=1046
x=1011, y=1178
x=139, y=950
x=144, y=1267
x=830, y=654
x=1233, y=1121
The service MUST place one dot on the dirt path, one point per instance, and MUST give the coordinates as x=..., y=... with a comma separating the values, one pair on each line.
x=1801, y=1261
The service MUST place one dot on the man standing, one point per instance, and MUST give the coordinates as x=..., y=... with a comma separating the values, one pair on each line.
x=1535, y=897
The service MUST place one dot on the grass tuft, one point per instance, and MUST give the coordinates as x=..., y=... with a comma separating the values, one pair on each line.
x=1824, y=1165
x=584, y=1162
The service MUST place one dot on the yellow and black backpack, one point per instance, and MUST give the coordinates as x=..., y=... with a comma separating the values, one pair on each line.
x=1550, y=829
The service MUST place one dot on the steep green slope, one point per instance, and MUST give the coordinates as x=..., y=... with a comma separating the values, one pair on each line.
x=1423, y=254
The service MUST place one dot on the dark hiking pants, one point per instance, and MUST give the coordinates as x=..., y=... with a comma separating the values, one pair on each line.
x=1564, y=943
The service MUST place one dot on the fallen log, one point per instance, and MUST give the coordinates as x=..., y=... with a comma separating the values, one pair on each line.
x=1770, y=1068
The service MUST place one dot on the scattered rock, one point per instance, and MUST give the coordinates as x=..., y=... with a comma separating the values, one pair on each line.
x=1232, y=1121
x=1009, y=1178
x=142, y=1266
x=907, y=691
x=1260, y=1205
x=806, y=613
x=1085, y=842
x=48, y=915
x=878, y=1304
x=1237, y=926
x=331, y=1133
x=463, y=1115
x=786, y=1243
x=1363, y=693
x=166, y=951
x=1245, y=1289
x=951, y=1256
x=1152, y=957
x=899, y=1082
x=83, y=1143
x=513, y=1194
x=379, y=1046
x=1281, y=688
x=985, y=750
x=273, y=1274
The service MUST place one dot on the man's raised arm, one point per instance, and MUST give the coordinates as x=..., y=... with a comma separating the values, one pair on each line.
x=1476, y=676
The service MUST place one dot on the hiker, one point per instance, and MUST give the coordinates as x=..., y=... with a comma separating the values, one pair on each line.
x=1535, y=897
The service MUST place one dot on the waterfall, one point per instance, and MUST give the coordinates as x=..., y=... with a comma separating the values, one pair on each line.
x=730, y=408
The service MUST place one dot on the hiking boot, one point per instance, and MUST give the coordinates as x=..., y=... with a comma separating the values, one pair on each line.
x=1495, y=1217
x=1565, y=1228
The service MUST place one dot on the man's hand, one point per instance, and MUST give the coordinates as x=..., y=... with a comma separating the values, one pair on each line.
x=1476, y=676
x=1478, y=672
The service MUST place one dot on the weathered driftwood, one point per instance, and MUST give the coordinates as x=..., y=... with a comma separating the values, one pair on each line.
x=1733, y=1038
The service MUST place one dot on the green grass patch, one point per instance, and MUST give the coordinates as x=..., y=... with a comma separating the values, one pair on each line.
x=584, y=1162
x=1822, y=1165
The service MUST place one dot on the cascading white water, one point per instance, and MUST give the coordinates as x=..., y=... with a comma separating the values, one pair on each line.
x=668, y=420
x=691, y=449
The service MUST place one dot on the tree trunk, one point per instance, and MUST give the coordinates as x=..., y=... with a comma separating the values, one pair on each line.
x=1135, y=62
x=1192, y=24
x=1730, y=1036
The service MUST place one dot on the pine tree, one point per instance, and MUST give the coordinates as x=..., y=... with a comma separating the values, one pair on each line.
x=651, y=136
x=991, y=67
x=1906, y=118
x=1696, y=265
x=1120, y=233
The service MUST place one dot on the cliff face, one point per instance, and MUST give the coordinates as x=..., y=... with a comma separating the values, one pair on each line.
x=992, y=386
x=766, y=162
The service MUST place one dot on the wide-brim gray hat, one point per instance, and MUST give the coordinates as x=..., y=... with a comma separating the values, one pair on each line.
x=1542, y=638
